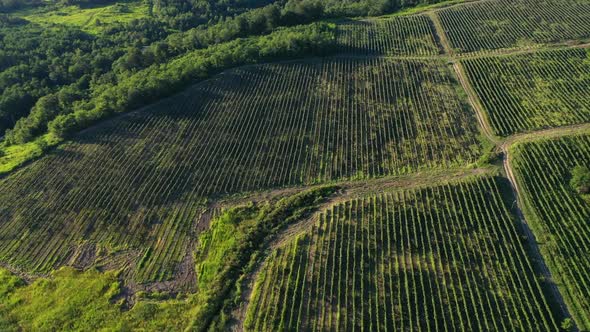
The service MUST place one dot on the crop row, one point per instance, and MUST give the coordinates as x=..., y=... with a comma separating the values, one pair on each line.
x=444, y=258
x=558, y=214
x=534, y=90
x=495, y=24
x=400, y=36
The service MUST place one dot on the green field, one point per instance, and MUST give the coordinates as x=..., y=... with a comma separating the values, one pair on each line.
x=92, y=19
x=558, y=214
x=443, y=258
x=497, y=24
x=82, y=301
x=532, y=91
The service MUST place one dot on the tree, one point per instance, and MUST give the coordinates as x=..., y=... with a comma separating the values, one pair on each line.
x=581, y=179
x=62, y=125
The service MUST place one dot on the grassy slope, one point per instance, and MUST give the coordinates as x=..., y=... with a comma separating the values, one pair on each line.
x=91, y=20
x=14, y=156
x=73, y=300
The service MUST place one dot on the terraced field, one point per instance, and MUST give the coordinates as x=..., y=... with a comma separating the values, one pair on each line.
x=497, y=24
x=400, y=36
x=443, y=258
x=531, y=91
x=558, y=214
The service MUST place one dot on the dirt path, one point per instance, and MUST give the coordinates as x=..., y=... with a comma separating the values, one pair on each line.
x=546, y=133
x=530, y=237
x=473, y=100
x=440, y=33
x=502, y=52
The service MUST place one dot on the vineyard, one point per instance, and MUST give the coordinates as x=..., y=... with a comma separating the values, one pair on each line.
x=400, y=36
x=442, y=258
x=533, y=90
x=496, y=24
x=429, y=172
x=252, y=128
x=558, y=214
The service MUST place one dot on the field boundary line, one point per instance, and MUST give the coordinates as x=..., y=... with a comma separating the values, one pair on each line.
x=532, y=240
x=441, y=35
x=505, y=52
x=536, y=135
x=475, y=103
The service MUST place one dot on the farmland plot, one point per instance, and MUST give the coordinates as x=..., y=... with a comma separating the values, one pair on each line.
x=559, y=214
x=400, y=36
x=138, y=184
x=492, y=25
x=444, y=258
x=533, y=91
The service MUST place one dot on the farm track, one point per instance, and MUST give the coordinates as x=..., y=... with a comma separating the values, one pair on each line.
x=440, y=33
x=530, y=237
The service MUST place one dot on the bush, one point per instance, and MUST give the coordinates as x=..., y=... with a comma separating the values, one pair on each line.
x=581, y=179
x=568, y=325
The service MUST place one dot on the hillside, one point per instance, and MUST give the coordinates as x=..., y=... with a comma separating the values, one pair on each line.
x=424, y=167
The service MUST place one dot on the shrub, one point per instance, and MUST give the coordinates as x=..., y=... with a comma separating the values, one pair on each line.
x=581, y=179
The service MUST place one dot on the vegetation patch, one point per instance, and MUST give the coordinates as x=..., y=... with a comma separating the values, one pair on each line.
x=581, y=179
x=92, y=20
x=72, y=300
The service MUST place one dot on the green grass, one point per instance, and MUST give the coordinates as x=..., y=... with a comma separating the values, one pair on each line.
x=82, y=301
x=422, y=8
x=91, y=20
x=14, y=156
x=217, y=242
